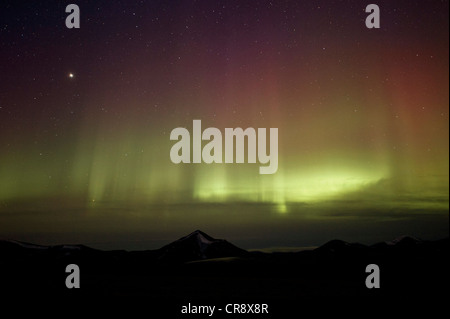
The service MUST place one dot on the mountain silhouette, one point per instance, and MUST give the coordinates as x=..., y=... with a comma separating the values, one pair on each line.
x=409, y=267
x=198, y=246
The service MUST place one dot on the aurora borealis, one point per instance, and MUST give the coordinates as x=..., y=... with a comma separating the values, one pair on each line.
x=86, y=115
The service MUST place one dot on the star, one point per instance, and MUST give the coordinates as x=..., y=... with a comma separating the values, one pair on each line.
x=71, y=75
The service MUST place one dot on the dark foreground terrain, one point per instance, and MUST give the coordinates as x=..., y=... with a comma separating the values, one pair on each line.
x=199, y=268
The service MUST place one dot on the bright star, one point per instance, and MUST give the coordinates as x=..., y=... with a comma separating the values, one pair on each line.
x=71, y=75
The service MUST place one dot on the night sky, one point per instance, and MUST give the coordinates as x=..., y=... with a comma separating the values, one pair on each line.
x=86, y=115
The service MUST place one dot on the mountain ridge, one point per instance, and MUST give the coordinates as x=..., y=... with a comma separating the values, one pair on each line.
x=197, y=263
x=205, y=241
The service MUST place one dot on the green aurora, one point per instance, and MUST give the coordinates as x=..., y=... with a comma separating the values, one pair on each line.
x=362, y=120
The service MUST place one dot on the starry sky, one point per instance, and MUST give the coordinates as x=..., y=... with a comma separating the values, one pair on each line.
x=86, y=116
